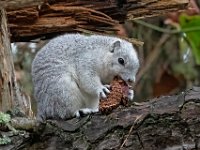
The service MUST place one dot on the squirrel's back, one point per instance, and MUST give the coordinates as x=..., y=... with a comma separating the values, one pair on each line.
x=62, y=53
x=76, y=43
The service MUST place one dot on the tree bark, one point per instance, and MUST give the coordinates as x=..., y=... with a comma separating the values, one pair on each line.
x=10, y=95
x=16, y=4
x=6, y=67
x=79, y=15
x=168, y=122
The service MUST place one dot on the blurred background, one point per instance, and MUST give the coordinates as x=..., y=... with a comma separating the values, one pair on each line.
x=169, y=58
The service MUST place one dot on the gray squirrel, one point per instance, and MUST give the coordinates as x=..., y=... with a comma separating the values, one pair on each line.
x=73, y=71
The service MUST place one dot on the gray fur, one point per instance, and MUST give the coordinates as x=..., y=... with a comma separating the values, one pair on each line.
x=69, y=73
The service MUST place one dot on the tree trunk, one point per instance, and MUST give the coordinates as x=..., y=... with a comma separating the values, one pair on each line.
x=6, y=67
x=10, y=95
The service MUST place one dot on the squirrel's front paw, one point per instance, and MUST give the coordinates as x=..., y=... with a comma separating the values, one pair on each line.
x=130, y=94
x=103, y=91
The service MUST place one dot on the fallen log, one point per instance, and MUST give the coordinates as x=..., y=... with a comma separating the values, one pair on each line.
x=58, y=16
x=168, y=122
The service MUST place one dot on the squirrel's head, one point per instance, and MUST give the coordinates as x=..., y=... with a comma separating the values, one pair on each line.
x=124, y=60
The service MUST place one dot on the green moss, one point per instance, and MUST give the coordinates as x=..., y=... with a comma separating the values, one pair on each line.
x=5, y=140
x=4, y=118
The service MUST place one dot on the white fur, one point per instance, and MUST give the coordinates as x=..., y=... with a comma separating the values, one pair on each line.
x=72, y=71
x=130, y=94
x=85, y=111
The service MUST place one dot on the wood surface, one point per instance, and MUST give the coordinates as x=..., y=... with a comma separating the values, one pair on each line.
x=59, y=16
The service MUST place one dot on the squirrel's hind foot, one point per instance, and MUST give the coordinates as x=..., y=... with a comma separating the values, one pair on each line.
x=85, y=111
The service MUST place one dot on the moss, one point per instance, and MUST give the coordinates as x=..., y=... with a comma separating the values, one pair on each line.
x=4, y=118
x=4, y=140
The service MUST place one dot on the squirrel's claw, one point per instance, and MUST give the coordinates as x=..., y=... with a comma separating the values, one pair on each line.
x=107, y=86
x=104, y=91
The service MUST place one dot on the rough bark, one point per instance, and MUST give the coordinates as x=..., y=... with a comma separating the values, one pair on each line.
x=6, y=67
x=79, y=15
x=168, y=122
x=15, y=4
x=10, y=95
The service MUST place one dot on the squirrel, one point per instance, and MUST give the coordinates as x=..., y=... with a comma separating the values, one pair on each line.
x=73, y=71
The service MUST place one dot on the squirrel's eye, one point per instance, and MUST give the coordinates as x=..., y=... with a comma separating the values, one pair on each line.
x=121, y=61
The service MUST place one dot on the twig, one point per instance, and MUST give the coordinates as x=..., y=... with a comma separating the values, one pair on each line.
x=159, y=29
x=137, y=120
x=127, y=136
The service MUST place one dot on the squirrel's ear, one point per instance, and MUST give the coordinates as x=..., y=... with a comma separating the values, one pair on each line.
x=115, y=45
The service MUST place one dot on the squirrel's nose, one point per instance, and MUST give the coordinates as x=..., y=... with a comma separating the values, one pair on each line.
x=131, y=80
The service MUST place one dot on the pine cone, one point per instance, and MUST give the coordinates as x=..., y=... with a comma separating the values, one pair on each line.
x=117, y=97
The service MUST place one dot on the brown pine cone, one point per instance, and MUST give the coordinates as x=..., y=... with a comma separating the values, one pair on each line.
x=118, y=96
